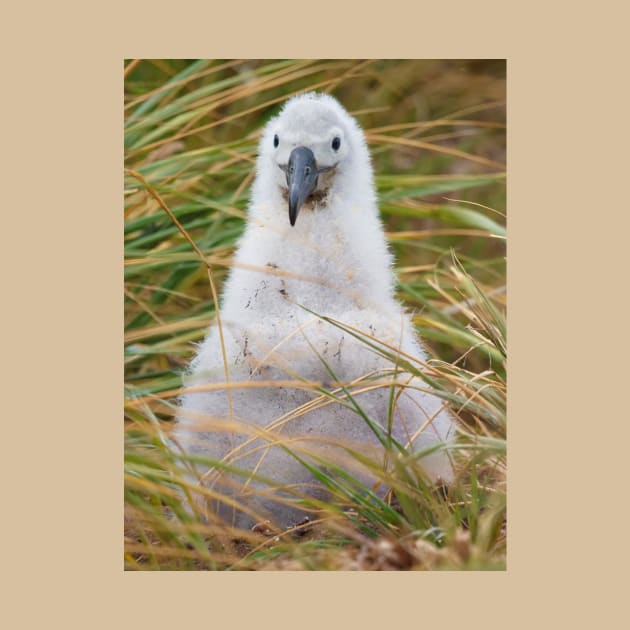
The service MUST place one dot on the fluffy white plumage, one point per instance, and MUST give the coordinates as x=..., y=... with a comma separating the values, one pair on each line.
x=335, y=262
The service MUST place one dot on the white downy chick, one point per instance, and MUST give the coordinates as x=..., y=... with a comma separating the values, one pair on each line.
x=313, y=242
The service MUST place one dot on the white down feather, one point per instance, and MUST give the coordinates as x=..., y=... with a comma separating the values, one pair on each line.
x=334, y=262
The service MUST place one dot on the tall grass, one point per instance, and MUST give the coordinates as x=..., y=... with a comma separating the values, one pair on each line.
x=436, y=133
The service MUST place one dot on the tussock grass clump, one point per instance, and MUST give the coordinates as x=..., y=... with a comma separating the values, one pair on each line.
x=436, y=132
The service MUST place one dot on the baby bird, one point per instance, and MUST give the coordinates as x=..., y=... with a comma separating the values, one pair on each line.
x=310, y=299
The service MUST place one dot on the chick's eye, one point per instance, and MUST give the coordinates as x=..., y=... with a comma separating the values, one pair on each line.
x=276, y=140
x=336, y=143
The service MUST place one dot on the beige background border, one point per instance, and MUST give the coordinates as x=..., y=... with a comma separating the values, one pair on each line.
x=62, y=252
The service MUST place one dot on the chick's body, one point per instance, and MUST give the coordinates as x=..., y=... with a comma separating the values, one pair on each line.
x=333, y=262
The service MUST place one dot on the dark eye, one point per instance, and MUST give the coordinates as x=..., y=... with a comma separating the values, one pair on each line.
x=336, y=143
x=276, y=140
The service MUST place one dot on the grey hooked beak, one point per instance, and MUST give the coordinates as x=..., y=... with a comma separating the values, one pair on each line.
x=302, y=177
